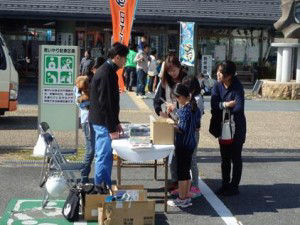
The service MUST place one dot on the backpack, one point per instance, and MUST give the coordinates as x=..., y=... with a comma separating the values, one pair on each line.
x=70, y=209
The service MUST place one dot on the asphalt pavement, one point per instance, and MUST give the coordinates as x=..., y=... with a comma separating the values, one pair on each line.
x=270, y=182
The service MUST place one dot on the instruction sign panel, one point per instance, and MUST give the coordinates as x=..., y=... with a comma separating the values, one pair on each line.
x=58, y=68
x=58, y=96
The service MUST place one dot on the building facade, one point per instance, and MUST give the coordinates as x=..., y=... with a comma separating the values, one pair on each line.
x=238, y=30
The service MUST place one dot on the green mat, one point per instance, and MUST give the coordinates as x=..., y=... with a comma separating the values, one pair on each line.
x=29, y=212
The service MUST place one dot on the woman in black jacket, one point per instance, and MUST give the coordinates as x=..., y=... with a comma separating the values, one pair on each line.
x=172, y=74
x=228, y=93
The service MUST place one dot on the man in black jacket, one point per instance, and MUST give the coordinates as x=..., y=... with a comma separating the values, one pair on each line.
x=104, y=112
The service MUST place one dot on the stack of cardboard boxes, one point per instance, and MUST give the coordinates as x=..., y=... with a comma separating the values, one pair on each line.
x=139, y=211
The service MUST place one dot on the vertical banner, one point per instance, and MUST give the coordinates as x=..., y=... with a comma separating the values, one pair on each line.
x=122, y=13
x=186, y=48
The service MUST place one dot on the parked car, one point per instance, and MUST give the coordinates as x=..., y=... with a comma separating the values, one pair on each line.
x=9, y=82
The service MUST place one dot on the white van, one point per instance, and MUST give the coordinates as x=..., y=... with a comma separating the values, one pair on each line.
x=9, y=80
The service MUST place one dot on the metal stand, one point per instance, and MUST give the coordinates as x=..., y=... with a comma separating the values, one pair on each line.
x=155, y=164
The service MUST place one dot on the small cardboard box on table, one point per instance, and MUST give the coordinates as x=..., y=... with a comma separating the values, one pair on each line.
x=136, y=192
x=161, y=131
x=94, y=201
x=124, y=213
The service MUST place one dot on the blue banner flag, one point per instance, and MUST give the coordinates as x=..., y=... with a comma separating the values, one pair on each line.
x=186, y=48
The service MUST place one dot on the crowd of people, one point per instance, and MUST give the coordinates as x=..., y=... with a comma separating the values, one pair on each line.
x=177, y=96
x=142, y=69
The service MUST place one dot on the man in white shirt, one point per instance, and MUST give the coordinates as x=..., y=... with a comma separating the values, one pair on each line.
x=152, y=70
x=142, y=60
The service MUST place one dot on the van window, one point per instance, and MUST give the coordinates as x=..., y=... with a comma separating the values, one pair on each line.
x=2, y=57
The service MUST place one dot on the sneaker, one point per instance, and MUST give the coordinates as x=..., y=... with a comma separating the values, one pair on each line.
x=175, y=192
x=195, y=191
x=172, y=186
x=180, y=202
x=189, y=195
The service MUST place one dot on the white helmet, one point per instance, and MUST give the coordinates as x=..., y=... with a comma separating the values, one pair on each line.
x=56, y=185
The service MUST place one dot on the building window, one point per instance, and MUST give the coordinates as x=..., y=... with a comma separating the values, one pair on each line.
x=91, y=40
x=213, y=48
x=2, y=57
x=297, y=12
x=245, y=48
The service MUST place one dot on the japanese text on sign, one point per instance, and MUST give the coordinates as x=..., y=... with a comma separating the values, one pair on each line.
x=58, y=96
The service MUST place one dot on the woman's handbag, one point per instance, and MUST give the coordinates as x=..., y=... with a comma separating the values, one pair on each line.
x=215, y=128
x=228, y=128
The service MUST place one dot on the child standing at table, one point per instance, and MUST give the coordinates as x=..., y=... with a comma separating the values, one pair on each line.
x=192, y=83
x=185, y=143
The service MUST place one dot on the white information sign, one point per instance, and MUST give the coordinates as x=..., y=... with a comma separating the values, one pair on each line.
x=58, y=66
x=58, y=96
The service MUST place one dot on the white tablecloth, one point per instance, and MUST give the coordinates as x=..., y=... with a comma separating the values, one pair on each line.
x=123, y=149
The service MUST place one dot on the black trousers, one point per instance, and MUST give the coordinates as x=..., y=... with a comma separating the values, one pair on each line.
x=184, y=160
x=150, y=83
x=130, y=77
x=231, y=154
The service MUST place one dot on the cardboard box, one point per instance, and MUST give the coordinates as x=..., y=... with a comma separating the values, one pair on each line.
x=95, y=201
x=161, y=131
x=126, y=187
x=125, y=213
x=137, y=192
x=91, y=205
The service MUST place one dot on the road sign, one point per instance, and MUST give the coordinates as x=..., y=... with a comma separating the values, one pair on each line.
x=58, y=68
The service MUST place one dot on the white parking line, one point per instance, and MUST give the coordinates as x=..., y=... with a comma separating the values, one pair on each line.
x=218, y=205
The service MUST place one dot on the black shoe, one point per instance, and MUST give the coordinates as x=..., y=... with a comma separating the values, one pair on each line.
x=221, y=190
x=231, y=192
x=102, y=189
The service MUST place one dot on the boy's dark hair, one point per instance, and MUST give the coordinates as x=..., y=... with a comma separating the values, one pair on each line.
x=98, y=62
x=228, y=68
x=132, y=46
x=153, y=52
x=118, y=49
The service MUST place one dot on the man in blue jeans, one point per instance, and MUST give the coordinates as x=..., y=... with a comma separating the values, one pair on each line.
x=104, y=113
